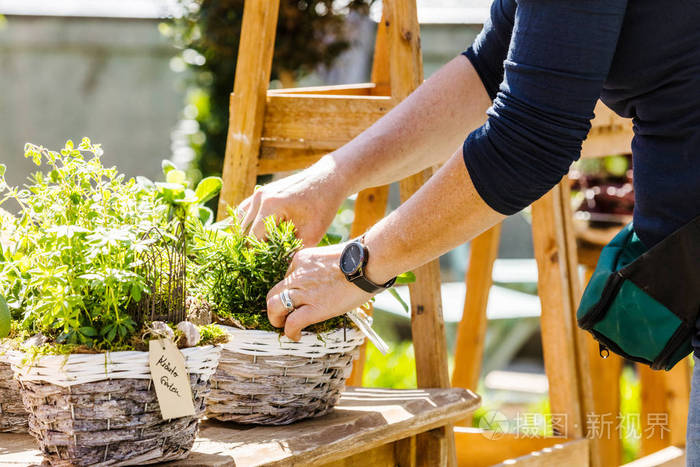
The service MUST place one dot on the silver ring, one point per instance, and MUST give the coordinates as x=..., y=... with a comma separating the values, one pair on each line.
x=287, y=300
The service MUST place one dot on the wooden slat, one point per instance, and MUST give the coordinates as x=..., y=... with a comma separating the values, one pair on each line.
x=653, y=394
x=571, y=454
x=382, y=456
x=381, y=72
x=600, y=144
x=580, y=337
x=405, y=452
x=370, y=207
x=480, y=448
x=274, y=160
x=426, y=306
x=677, y=382
x=665, y=398
x=606, y=387
x=610, y=134
x=471, y=332
x=433, y=449
x=355, y=89
x=248, y=107
x=316, y=122
x=669, y=457
x=557, y=324
x=406, y=74
x=606, y=403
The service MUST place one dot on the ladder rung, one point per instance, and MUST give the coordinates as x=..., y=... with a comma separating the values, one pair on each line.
x=298, y=129
x=356, y=89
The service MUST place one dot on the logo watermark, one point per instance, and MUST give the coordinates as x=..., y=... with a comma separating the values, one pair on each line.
x=495, y=424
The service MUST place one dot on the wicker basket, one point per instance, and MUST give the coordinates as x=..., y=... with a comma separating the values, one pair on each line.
x=13, y=417
x=264, y=378
x=100, y=409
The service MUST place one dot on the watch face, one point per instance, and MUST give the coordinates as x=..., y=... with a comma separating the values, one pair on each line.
x=352, y=257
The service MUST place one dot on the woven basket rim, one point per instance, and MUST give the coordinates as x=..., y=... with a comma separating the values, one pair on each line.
x=76, y=368
x=304, y=334
x=311, y=344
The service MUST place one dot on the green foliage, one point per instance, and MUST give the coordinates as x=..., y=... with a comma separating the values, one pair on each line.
x=212, y=334
x=309, y=33
x=5, y=318
x=396, y=370
x=184, y=202
x=236, y=271
x=70, y=267
x=630, y=410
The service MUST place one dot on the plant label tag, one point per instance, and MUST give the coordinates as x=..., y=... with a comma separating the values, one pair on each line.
x=170, y=379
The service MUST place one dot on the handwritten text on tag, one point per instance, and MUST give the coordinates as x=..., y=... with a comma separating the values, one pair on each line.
x=170, y=379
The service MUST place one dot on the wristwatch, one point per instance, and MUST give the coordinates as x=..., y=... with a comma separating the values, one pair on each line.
x=353, y=260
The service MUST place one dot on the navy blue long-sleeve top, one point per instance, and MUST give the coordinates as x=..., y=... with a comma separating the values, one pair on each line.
x=545, y=63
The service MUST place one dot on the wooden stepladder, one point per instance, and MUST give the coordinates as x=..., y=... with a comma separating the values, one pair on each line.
x=288, y=129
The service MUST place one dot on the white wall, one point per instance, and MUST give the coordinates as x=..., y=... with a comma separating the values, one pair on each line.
x=106, y=78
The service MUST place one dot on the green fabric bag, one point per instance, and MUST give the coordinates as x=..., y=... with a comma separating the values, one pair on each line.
x=643, y=304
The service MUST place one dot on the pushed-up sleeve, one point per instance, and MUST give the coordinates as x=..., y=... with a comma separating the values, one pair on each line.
x=558, y=57
x=489, y=49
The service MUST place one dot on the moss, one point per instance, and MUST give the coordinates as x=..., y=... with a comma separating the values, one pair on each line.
x=259, y=321
x=212, y=334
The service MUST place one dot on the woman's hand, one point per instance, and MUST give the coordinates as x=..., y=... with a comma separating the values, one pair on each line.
x=310, y=199
x=317, y=288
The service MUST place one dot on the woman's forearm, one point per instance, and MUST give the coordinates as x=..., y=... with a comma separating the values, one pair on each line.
x=446, y=212
x=420, y=132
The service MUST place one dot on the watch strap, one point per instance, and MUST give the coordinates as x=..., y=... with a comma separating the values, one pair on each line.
x=368, y=286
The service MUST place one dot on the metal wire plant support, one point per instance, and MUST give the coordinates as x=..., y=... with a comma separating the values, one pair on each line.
x=163, y=265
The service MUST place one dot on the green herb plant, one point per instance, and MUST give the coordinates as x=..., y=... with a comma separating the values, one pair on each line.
x=236, y=271
x=70, y=266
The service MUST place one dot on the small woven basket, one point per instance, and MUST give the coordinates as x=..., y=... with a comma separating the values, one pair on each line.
x=13, y=416
x=101, y=409
x=267, y=379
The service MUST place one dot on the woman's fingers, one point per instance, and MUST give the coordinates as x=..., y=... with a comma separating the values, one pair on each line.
x=317, y=289
x=257, y=227
x=251, y=212
x=276, y=311
x=243, y=208
x=300, y=318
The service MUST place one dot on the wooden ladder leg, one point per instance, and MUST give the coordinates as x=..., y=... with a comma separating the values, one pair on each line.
x=606, y=404
x=606, y=387
x=427, y=323
x=581, y=338
x=665, y=399
x=248, y=102
x=381, y=75
x=471, y=332
x=654, y=416
x=370, y=207
x=563, y=345
x=677, y=382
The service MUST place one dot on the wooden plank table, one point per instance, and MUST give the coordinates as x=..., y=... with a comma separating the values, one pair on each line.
x=368, y=427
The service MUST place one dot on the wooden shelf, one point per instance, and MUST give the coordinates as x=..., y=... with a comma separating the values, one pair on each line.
x=364, y=420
